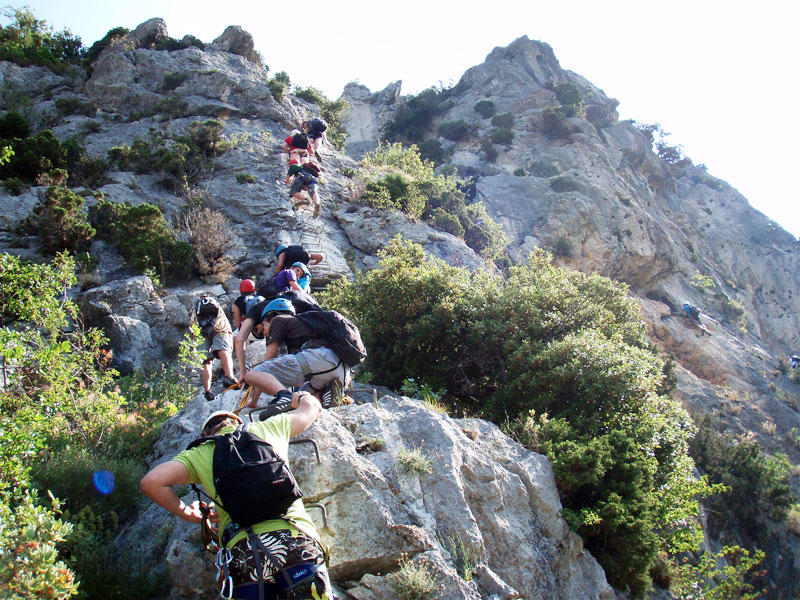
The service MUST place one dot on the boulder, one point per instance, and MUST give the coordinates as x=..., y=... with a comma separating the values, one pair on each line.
x=237, y=41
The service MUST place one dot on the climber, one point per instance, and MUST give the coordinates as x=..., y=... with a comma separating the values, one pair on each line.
x=308, y=360
x=273, y=558
x=794, y=360
x=246, y=299
x=288, y=255
x=286, y=280
x=302, y=180
x=297, y=147
x=694, y=314
x=216, y=329
x=303, y=276
x=316, y=129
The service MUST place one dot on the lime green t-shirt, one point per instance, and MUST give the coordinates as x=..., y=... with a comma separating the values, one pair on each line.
x=276, y=431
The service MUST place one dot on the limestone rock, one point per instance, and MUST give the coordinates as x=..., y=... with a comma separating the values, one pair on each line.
x=485, y=497
x=237, y=41
x=149, y=33
x=368, y=112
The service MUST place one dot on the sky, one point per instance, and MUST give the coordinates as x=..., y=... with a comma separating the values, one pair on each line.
x=719, y=76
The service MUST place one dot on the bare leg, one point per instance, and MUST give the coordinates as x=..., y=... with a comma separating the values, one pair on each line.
x=205, y=374
x=262, y=382
x=227, y=362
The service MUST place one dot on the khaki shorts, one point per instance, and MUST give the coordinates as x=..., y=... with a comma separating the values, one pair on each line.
x=220, y=341
x=322, y=365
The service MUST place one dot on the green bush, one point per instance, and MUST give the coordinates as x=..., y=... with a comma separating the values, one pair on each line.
x=14, y=185
x=172, y=81
x=489, y=151
x=563, y=185
x=94, y=51
x=333, y=113
x=456, y=131
x=569, y=94
x=554, y=125
x=504, y=121
x=561, y=355
x=447, y=222
x=562, y=247
x=75, y=106
x=34, y=155
x=415, y=116
x=432, y=150
x=485, y=108
x=278, y=85
x=144, y=239
x=245, y=178
x=14, y=125
x=520, y=172
x=502, y=136
x=31, y=41
x=61, y=222
x=396, y=177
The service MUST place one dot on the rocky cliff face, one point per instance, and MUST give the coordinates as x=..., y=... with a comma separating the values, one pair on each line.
x=485, y=522
x=587, y=186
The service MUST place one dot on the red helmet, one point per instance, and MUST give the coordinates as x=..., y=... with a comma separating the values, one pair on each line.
x=247, y=286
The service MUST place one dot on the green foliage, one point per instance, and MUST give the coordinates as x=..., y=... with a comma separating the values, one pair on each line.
x=75, y=106
x=569, y=94
x=489, y=151
x=656, y=135
x=396, y=177
x=14, y=125
x=31, y=534
x=456, y=131
x=278, y=85
x=208, y=233
x=485, y=108
x=504, y=121
x=31, y=41
x=709, y=580
x=173, y=81
x=520, y=172
x=432, y=150
x=144, y=238
x=561, y=355
x=14, y=185
x=414, y=118
x=554, y=125
x=94, y=51
x=563, y=185
x=245, y=178
x=61, y=222
x=503, y=136
x=333, y=112
x=757, y=484
x=562, y=247
x=414, y=461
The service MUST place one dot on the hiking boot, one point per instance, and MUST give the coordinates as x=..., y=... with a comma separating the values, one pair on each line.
x=318, y=156
x=333, y=394
x=281, y=403
x=209, y=396
x=316, y=210
x=228, y=382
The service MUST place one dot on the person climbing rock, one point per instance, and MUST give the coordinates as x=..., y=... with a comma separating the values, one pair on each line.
x=794, y=360
x=297, y=147
x=216, y=329
x=316, y=129
x=694, y=314
x=303, y=274
x=286, y=280
x=301, y=181
x=309, y=360
x=288, y=255
x=247, y=297
x=278, y=556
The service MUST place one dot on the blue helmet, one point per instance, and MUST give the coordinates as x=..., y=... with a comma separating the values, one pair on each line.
x=303, y=267
x=279, y=250
x=278, y=305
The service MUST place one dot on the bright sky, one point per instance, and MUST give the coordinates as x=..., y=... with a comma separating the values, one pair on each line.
x=720, y=75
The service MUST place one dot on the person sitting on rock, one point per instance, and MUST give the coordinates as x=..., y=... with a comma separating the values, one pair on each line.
x=693, y=313
x=309, y=361
x=274, y=558
x=303, y=181
x=288, y=255
x=216, y=329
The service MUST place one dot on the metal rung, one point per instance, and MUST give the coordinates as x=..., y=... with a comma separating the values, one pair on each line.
x=324, y=512
x=308, y=441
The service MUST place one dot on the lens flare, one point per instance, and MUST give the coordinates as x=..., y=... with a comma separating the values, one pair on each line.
x=104, y=482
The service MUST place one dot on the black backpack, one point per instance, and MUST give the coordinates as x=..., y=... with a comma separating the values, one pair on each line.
x=268, y=289
x=302, y=301
x=317, y=125
x=253, y=483
x=293, y=254
x=338, y=333
x=300, y=140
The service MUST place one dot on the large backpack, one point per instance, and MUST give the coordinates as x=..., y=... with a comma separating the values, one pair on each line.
x=251, y=300
x=338, y=333
x=253, y=483
x=268, y=289
x=317, y=125
x=300, y=140
x=293, y=254
x=302, y=301
x=313, y=168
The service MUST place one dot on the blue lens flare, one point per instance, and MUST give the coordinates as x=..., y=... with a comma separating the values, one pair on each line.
x=104, y=482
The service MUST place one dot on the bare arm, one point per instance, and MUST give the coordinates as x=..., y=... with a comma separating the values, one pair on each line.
x=307, y=411
x=238, y=345
x=237, y=316
x=272, y=350
x=281, y=259
x=295, y=286
x=314, y=258
x=157, y=485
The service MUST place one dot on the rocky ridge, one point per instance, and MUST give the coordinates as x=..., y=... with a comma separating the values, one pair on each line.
x=620, y=209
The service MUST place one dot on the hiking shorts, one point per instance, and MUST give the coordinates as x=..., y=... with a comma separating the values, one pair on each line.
x=299, y=184
x=293, y=550
x=220, y=341
x=318, y=366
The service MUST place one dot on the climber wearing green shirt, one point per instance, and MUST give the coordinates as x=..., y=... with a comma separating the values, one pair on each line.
x=291, y=541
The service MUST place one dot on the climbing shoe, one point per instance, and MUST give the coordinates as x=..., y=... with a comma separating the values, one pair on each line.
x=333, y=394
x=281, y=403
x=228, y=382
x=209, y=396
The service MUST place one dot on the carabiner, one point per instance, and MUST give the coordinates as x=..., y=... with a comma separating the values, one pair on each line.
x=228, y=581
